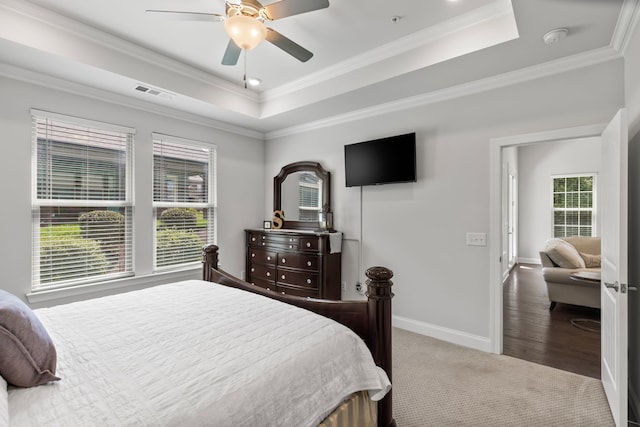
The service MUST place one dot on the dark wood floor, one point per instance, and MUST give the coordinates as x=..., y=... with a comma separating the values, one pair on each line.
x=533, y=333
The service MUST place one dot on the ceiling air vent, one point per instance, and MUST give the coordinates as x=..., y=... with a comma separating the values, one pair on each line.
x=155, y=91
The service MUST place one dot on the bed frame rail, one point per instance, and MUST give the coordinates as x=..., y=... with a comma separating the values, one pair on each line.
x=370, y=319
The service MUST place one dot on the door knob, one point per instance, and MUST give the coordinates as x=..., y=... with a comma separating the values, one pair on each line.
x=613, y=286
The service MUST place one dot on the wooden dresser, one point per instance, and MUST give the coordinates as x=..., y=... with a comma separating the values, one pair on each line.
x=293, y=262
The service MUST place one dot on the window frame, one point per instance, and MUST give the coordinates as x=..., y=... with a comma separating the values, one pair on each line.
x=210, y=204
x=37, y=203
x=593, y=209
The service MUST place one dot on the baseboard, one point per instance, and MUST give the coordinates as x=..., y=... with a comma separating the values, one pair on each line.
x=444, y=334
x=522, y=260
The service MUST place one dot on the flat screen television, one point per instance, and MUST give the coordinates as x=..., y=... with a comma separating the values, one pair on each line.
x=381, y=161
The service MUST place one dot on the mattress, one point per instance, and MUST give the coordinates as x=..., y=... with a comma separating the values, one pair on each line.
x=194, y=353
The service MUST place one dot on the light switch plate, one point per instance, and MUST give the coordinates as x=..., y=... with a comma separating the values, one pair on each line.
x=476, y=239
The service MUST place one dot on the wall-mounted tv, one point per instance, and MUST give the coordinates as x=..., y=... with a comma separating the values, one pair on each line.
x=381, y=161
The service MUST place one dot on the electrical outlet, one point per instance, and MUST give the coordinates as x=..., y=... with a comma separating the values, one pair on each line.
x=359, y=288
x=476, y=239
x=344, y=286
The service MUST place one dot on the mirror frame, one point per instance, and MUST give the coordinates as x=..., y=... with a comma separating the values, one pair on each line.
x=286, y=170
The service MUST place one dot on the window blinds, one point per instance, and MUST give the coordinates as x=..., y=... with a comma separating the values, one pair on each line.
x=82, y=204
x=183, y=199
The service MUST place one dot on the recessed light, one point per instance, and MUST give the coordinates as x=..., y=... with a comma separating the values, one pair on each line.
x=253, y=81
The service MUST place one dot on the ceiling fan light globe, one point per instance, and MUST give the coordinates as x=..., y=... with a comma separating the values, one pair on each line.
x=245, y=31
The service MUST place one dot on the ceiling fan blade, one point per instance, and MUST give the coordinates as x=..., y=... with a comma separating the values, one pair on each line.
x=284, y=8
x=188, y=16
x=291, y=47
x=232, y=54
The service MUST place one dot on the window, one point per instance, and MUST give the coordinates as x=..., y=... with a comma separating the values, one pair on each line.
x=81, y=201
x=183, y=199
x=574, y=204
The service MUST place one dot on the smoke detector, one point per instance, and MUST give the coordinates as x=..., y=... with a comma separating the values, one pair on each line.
x=554, y=36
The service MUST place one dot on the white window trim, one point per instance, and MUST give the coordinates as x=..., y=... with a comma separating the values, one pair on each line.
x=594, y=204
x=212, y=205
x=37, y=203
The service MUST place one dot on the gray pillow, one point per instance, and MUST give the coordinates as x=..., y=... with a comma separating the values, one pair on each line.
x=564, y=254
x=27, y=354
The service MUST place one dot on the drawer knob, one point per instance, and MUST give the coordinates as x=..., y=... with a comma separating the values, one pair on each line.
x=290, y=246
x=308, y=263
x=264, y=237
x=283, y=277
x=309, y=281
x=268, y=258
x=268, y=289
x=284, y=260
x=308, y=244
x=253, y=255
x=283, y=293
x=268, y=274
x=253, y=239
x=263, y=243
x=290, y=239
x=253, y=270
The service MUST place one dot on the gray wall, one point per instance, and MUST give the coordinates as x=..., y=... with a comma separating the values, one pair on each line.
x=418, y=229
x=537, y=163
x=240, y=168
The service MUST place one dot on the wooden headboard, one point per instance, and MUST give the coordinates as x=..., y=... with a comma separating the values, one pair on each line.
x=370, y=319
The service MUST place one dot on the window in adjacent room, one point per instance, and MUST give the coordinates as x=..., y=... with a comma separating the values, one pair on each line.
x=81, y=201
x=574, y=205
x=183, y=200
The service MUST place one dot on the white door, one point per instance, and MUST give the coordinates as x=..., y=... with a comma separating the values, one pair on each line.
x=613, y=203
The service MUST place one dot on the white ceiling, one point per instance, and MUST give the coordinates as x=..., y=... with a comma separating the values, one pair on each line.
x=362, y=60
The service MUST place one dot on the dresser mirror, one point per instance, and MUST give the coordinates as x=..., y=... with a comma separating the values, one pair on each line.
x=301, y=190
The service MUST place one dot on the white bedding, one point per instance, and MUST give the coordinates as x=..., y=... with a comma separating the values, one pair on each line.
x=194, y=353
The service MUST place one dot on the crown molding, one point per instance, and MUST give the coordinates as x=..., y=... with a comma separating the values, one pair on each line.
x=460, y=23
x=43, y=80
x=112, y=42
x=550, y=68
x=626, y=25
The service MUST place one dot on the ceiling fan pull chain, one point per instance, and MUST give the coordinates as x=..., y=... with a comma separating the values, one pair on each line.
x=244, y=77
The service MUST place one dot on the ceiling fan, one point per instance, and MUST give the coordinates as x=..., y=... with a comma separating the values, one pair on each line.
x=244, y=22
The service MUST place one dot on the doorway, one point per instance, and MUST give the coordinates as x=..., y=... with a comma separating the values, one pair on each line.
x=500, y=208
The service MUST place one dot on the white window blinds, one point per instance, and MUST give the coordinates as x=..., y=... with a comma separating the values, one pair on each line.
x=574, y=205
x=82, y=202
x=183, y=199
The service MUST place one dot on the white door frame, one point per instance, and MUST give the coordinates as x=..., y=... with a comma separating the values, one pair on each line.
x=495, y=213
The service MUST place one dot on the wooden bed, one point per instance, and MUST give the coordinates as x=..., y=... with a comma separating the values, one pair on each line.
x=200, y=352
x=371, y=319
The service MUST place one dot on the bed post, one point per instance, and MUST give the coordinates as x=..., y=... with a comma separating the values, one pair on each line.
x=379, y=296
x=209, y=261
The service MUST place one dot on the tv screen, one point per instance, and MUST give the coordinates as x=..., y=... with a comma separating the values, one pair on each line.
x=381, y=161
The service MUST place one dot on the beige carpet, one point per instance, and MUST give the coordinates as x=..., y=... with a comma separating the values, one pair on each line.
x=441, y=384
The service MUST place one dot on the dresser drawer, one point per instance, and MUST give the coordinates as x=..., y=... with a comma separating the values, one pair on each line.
x=296, y=291
x=304, y=279
x=262, y=256
x=273, y=240
x=262, y=272
x=299, y=260
x=270, y=286
x=309, y=243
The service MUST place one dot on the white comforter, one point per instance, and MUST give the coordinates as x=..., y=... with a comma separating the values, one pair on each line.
x=193, y=353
